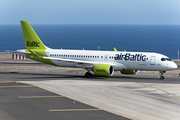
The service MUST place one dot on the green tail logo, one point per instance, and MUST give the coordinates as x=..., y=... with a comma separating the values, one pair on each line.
x=32, y=44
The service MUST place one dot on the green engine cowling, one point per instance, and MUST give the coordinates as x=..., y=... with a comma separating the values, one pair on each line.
x=103, y=70
x=129, y=72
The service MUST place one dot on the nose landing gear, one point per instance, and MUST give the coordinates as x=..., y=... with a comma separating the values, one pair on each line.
x=161, y=72
x=161, y=77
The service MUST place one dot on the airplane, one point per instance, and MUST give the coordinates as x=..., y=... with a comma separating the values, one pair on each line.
x=101, y=63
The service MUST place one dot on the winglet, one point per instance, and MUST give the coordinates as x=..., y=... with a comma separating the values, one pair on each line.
x=115, y=49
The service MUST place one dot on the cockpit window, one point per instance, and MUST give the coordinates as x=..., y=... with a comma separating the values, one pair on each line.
x=163, y=59
x=168, y=59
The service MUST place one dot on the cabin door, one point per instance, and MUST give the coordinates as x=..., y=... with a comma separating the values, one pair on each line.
x=153, y=58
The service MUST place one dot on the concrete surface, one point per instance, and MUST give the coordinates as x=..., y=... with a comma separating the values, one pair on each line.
x=142, y=98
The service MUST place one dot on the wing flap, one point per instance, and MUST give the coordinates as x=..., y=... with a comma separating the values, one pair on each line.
x=71, y=61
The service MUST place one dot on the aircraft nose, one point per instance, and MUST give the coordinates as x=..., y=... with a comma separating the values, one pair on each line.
x=172, y=66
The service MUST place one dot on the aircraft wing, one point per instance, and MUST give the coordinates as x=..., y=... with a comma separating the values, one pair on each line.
x=79, y=62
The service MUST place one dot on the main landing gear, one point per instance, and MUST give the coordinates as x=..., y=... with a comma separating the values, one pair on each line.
x=88, y=74
x=161, y=72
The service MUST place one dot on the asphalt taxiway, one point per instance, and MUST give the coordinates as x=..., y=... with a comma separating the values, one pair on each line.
x=30, y=95
x=19, y=101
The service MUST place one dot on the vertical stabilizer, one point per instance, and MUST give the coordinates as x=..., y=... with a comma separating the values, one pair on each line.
x=32, y=41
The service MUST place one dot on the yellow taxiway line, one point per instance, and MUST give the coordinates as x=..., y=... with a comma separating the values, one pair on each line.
x=67, y=110
x=149, y=86
x=39, y=96
x=16, y=86
x=6, y=81
x=100, y=108
x=158, y=89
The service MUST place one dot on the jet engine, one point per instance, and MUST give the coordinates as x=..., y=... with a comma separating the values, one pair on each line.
x=103, y=70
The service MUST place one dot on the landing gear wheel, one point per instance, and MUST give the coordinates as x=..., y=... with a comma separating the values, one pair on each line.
x=88, y=75
x=162, y=77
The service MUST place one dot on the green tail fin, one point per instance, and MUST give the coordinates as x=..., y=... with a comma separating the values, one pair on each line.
x=115, y=49
x=32, y=40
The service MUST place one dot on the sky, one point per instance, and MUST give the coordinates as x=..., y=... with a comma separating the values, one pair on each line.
x=163, y=12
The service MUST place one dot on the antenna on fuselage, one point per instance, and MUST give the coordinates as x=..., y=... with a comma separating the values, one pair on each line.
x=98, y=47
x=178, y=55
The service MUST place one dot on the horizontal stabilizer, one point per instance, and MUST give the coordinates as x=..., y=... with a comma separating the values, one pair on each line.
x=33, y=53
x=15, y=52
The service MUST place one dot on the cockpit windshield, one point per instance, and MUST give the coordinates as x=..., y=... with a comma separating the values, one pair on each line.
x=168, y=59
x=165, y=59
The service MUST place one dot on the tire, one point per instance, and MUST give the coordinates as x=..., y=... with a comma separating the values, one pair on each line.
x=162, y=77
x=88, y=75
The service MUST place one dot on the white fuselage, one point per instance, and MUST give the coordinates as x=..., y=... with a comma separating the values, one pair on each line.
x=121, y=60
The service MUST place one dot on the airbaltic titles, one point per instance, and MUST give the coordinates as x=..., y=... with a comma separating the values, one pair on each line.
x=131, y=57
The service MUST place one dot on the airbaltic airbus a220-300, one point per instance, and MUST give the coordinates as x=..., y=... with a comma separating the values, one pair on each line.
x=102, y=63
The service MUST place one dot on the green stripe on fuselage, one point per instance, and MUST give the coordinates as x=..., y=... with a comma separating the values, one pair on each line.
x=41, y=53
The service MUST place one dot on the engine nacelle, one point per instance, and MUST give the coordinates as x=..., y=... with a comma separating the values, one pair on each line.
x=129, y=72
x=103, y=70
